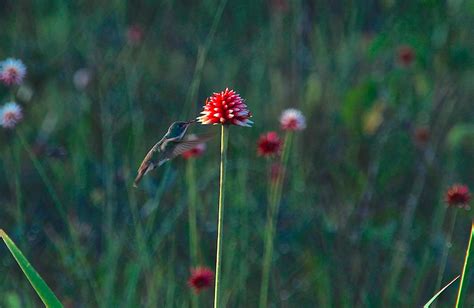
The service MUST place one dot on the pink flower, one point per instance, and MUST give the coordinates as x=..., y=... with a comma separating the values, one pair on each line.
x=292, y=120
x=134, y=34
x=201, y=278
x=10, y=115
x=406, y=55
x=226, y=107
x=269, y=144
x=196, y=151
x=458, y=195
x=12, y=72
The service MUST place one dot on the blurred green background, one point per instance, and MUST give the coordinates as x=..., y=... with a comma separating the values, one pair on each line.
x=362, y=221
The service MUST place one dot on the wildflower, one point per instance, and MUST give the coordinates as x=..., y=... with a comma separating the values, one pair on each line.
x=12, y=72
x=406, y=55
x=421, y=135
x=201, y=278
x=10, y=115
x=292, y=120
x=269, y=144
x=196, y=151
x=226, y=107
x=458, y=195
x=134, y=34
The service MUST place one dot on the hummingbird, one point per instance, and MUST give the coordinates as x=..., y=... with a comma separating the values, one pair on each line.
x=171, y=145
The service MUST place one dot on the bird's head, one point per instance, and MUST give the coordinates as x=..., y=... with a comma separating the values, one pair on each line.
x=178, y=129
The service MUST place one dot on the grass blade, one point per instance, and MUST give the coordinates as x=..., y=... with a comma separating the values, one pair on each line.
x=41, y=288
x=463, y=289
x=439, y=292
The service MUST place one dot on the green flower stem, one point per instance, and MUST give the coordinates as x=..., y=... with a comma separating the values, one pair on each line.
x=447, y=246
x=192, y=218
x=272, y=216
x=224, y=142
x=463, y=287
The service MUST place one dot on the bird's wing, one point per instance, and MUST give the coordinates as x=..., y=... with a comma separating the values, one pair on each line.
x=188, y=144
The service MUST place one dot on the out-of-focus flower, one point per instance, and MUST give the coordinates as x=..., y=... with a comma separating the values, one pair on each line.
x=10, y=115
x=276, y=171
x=269, y=144
x=405, y=55
x=373, y=118
x=421, y=135
x=81, y=79
x=134, y=34
x=458, y=195
x=196, y=151
x=201, y=278
x=292, y=120
x=12, y=72
x=226, y=107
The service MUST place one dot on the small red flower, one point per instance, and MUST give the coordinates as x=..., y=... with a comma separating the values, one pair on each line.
x=422, y=135
x=135, y=34
x=201, y=278
x=292, y=120
x=406, y=55
x=196, y=151
x=458, y=195
x=226, y=107
x=269, y=144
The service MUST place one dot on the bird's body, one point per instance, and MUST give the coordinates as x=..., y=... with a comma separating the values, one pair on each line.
x=171, y=145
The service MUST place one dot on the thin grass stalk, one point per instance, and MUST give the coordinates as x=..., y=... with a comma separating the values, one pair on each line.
x=192, y=219
x=18, y=193
x=220, y=221
x=444, y=257
x=272, y=216
x=463, y=287
x=59, y=207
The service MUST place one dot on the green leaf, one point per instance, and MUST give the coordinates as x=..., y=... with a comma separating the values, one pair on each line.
x=463, y=286
x=439, y=292
x=41, y=288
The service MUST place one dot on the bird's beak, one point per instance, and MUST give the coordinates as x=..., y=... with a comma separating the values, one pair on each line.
x=192, y=121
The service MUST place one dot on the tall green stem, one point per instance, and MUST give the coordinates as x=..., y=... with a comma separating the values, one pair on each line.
x=272, y=215
x=444, y=257
x=224, y=141
x=192, y=218
x=463, y=287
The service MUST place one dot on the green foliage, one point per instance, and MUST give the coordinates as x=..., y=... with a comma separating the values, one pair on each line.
x=41, y=288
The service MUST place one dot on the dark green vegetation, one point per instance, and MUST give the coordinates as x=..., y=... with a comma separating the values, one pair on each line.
x=362, y=220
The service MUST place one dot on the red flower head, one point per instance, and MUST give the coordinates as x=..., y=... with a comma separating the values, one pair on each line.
x=269, y=144
x=134, y=34
x=201, y=278
x=421, y=135
x=196, y=151
x=406, y=55
x=292, y=120
x=458, y=195
x=226, y=107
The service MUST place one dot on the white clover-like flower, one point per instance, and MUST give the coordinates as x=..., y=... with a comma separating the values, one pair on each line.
x=10, y=114
x=12, y=71
x=292, y=119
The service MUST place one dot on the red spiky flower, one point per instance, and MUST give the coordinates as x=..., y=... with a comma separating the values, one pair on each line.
x=269, y=144
x=458, y=195
x=201, y=278
x=226, y=107
x=406, y=55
